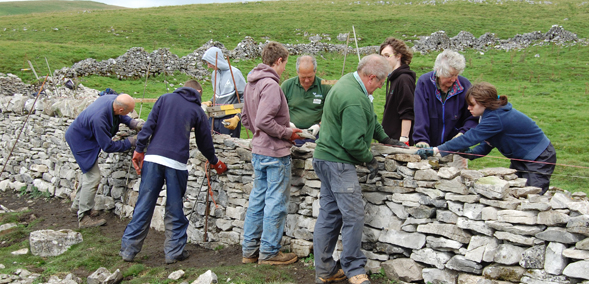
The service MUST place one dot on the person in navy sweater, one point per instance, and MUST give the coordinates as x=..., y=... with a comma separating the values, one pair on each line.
x=167, y=130
x=513, y=133
x=91, y=132
x=441, y=113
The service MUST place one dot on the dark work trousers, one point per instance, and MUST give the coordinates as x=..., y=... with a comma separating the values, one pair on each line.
x=538, y=174
x=220, y=128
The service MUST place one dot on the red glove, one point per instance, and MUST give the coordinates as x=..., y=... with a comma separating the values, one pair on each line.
x=138, y=161
x=294, y=136
x=220, y=167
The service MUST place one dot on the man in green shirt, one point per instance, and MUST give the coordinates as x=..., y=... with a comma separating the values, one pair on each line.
x=305, y=96
x=348, y=126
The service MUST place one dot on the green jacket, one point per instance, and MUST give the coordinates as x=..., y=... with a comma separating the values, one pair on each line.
x=348, y=124
x=305, y=107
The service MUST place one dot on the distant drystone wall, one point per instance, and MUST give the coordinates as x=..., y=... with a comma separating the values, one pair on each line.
x=137, y=62
x=426, y=221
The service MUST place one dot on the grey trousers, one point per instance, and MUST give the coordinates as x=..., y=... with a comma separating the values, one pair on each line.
x=342, y=209
x=84, y=200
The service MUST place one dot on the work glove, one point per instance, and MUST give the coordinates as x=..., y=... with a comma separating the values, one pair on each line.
x=231, y=123
x=138, y=161
x=292, y=125
x=314, y=129
x=132, y=140
x=394, y=142
x=404, y=139
x=425, y=152
x=294, y=136
x=457, y=135
x=207, y=103
x=465, y=153
x=373, y=168
x=220, y=167
x=422, y=145
x=136, y=124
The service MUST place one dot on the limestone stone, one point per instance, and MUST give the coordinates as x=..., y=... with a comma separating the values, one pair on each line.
x=406, y=158
x=519, y=217
x=421, y=212
x=432, y=193
x=523, y=191
x=447, y=230
x=103, y=276
x=476, y=226
x=533, y=258
x=421, y=165
x=176, y=274
x=431, y=257
x=482, y=248
x=492, y=187
x=555, y=234
x=403, y=239
x=8, y=226
x=508, y=254
x=404, y=269
x=473, y=211
x=537, y=276
x=427, y=174
x=516, y=229
x=553, y=218
x=516, y=184
x=579, y=269
x=454, y=185
x=464, y=278
x=580, y=206
x=375, y=197
x=459, y=263
x=583, y=244
x=540, y=206
x=471, y=175
x=555, y=262
x=560, y=201
x=370, y=234
x=208, y=277
x=456, y=208
x=471, y=198
x=513, y=238
x=398, y=210
x=497, y=171
x=448, y=172
x=507, y=203
x=579, y=225
x=53, y=243
x=442, y=243
x=439, y=276
x=506, y=273
x=446, y=216
x=575, y=253
x=489, y=213
x=302, y=248
x=381, y=217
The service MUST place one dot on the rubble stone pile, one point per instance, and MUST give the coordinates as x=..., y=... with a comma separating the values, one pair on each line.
x=425, y=220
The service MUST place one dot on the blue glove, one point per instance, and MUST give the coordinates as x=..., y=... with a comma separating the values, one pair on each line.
x=425, y=152
x=465, y=153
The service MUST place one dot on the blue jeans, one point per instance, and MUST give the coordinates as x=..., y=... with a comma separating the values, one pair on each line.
x=152, y=181
x=268, y=203
x=341, y=209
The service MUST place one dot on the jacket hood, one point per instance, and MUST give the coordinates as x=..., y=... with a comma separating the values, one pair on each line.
x=262, y=71
x=403, y=69
x=189, y=94
x=215, y=53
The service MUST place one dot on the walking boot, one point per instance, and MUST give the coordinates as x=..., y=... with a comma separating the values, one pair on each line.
x=246, y=260
x=280, y=259
x=359, y=279
x=89, y=222
x=338, y=276
x=183, y=256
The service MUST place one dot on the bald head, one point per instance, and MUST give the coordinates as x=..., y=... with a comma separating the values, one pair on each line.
x=123, y=104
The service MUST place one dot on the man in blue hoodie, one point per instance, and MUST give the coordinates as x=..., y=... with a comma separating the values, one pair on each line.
x=224, y=87
x=167, y=130
x=91, y=132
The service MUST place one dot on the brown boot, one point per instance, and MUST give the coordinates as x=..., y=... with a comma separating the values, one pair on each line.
x=280, y=259
x=246, y=260
x=89, y=222
x=338, y=276
x=359, y=279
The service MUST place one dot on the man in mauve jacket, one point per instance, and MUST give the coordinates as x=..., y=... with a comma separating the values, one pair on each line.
x=265, y=113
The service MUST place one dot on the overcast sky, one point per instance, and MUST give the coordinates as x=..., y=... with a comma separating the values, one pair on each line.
x=151, y=3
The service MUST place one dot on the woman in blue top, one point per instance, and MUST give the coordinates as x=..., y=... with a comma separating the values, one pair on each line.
x=513, y=133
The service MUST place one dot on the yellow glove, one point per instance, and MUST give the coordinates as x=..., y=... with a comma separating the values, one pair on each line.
x=231, y=123
x=458, y=135
x=207, y=103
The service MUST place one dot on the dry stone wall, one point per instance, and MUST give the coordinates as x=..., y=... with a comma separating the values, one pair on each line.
x=426, y=221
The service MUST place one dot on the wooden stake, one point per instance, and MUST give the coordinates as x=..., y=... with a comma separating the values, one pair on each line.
x=356, y=39
x=346, y=53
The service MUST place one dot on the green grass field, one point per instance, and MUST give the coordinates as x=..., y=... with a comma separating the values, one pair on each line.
x=548, y=83
x=29, y=7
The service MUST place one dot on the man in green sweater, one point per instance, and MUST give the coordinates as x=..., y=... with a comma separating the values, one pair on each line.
x=348, y=126
x=305, y=95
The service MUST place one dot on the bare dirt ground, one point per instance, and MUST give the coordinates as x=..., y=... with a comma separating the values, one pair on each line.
x=53, y=214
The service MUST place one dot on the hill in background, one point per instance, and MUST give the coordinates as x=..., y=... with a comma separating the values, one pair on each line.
x=29, y=7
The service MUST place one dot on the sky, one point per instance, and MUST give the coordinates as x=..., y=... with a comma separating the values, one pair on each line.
x=152, y=3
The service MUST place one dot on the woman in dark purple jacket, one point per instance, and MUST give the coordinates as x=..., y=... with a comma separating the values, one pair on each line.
x=441, y=113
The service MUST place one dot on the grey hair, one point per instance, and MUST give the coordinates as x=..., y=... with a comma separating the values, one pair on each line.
x=448, y=60
x=303, y=58
x=374, y=64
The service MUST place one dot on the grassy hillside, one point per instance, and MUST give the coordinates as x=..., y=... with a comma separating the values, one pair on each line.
x=548, y=83
x=29, y=7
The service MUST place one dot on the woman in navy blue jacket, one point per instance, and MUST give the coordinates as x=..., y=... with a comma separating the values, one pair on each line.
x=513, y=133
